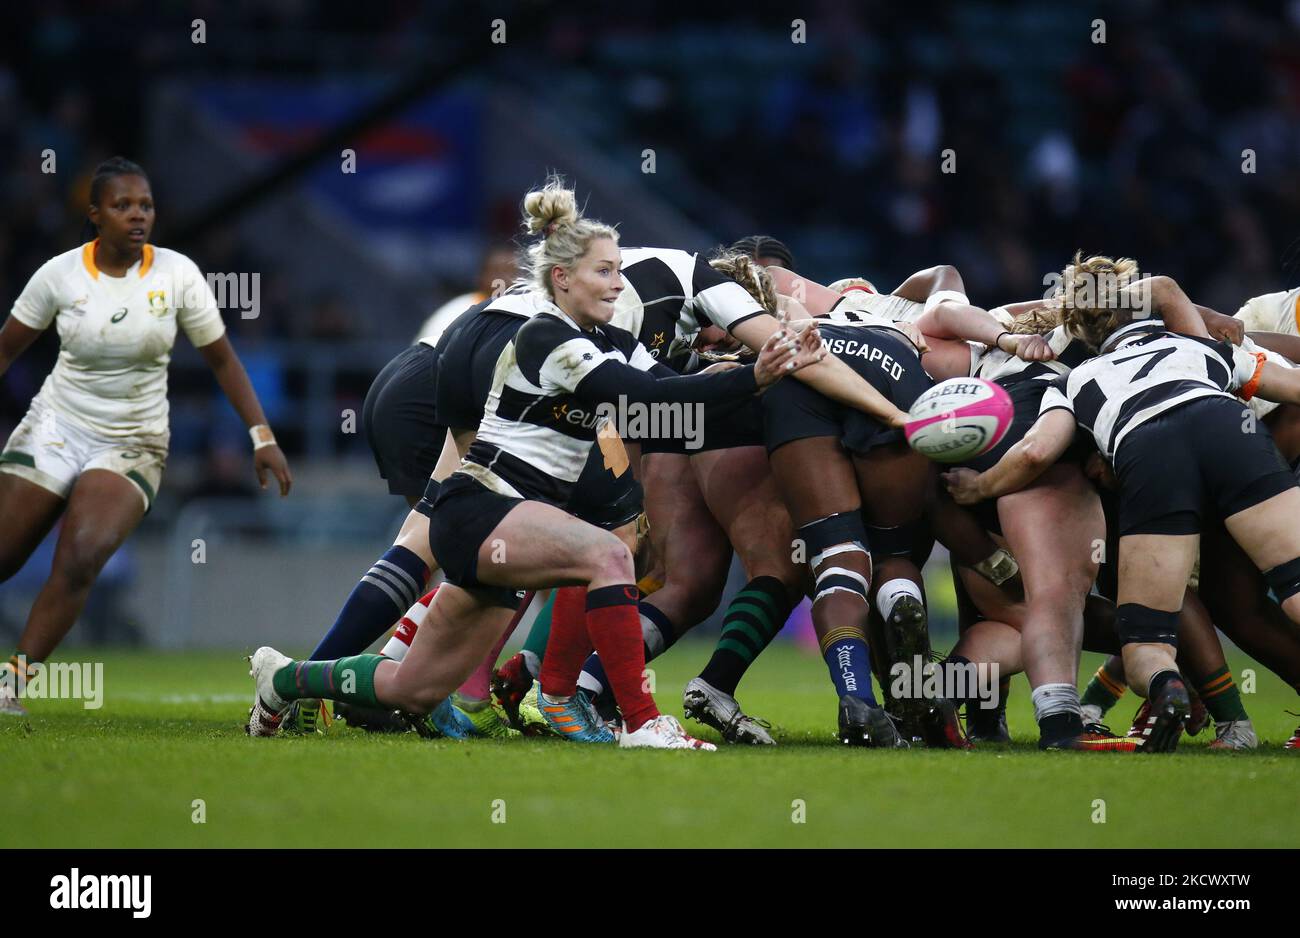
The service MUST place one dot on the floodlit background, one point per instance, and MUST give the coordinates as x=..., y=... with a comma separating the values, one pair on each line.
x=826, y=124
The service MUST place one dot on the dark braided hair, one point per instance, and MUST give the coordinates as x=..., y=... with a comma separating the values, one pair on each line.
x=757, y=246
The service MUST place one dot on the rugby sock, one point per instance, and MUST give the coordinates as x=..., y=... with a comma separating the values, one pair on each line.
x=479, y=684
x=535, y=644
x=22, y=668
x=1221, y=697
x=845, y=651
x=399, y=643
x=614, y=626
x=1056, y=708
x=1158, y=682
x=892, y=591
x=568, y=645
x=1103, y=691
x=389, y=588
x=750, y=623
x=349, y=679
x=657, y=634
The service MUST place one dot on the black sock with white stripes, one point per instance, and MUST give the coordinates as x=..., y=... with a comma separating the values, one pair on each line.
x=389, y=588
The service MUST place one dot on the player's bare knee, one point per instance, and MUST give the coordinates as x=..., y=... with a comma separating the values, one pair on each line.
x=78, y=565
x=611, y=560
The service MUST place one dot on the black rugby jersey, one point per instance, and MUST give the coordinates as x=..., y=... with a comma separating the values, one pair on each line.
x=536, y=433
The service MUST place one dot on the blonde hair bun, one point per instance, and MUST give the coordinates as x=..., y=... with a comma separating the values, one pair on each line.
x=550, y=207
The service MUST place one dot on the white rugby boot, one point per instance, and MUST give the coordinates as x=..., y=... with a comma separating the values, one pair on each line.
x=663, y=732
x=268, y=708
x=1234, y=735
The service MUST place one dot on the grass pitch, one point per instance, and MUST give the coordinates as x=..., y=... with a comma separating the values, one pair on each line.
x=169, y=736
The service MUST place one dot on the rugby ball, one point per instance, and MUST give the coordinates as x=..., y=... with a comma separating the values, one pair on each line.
x=959, y=419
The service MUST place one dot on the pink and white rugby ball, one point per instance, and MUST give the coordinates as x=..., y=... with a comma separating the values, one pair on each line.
x=959, y=419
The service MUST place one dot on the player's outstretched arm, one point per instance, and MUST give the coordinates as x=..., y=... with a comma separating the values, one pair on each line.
x=229, y=372
x=1277, y=383
x=1161, y=297
x=1040, y=448
x=15, y=338
x=1288, y=346
x=828, y=376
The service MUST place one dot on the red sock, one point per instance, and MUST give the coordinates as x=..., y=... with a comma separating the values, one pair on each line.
x=615, y=629
x=568, y=646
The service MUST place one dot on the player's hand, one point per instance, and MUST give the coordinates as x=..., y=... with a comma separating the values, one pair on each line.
x=718, y=367
x=963, y=486
x=915, y=336
x=897, y=420
x=270, y=459
x=1225, y=328
x=1029, y=348
x=784, y=354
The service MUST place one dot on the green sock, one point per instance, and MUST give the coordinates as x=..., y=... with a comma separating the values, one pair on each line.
x=535, y=645
x=1102, y=691
x=1221, y=696
x=750, y=623
x=348, y=679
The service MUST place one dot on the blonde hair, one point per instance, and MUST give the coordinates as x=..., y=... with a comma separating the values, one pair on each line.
x=1089, y=298
x=749, y=274
x=553, y=212
x=1037, y=321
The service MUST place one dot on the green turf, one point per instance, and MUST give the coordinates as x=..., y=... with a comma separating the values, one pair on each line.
x=170, y=732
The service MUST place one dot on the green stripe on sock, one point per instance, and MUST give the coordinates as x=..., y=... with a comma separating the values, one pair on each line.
x=540, y=633
x=730, y=644
x=1226, y=704
x=739, y=611
x=739, y=625
x=1096, y=695
x=349, y=679
x=767, y=598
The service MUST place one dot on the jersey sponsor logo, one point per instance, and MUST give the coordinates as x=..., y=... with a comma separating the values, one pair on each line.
x=852, y=347
x=120, y=315
x=576, y=416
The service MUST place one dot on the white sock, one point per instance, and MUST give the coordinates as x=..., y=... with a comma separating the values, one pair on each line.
x=894, y=590
x=1055, y=698
x=532, y=663
x=399, y=643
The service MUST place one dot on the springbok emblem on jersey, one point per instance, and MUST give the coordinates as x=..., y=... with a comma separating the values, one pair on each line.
x=158, y=302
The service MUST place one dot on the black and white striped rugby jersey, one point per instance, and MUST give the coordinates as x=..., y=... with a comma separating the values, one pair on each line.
x=1142, y=372
x=993, y=364
x=536, y=434
x=669, y=295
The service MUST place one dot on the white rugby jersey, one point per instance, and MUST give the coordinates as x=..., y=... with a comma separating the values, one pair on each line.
x=116, y=335
x=536, y=434
x=671, y=295
x=1142, y=372
x=891, y=307
x=431, y=329
x=1272, y=312
x=993, y=364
